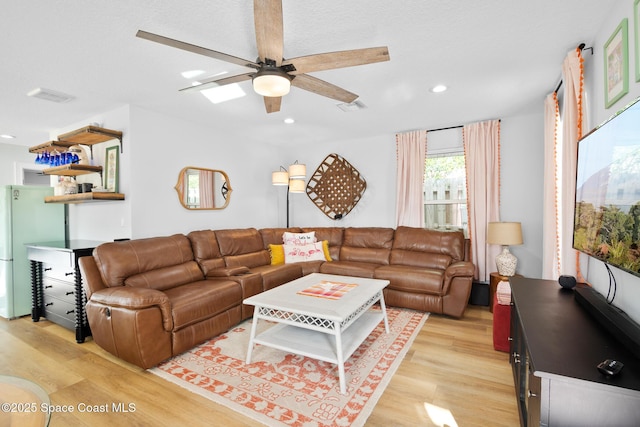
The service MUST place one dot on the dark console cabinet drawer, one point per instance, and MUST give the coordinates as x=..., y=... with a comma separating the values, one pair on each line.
x=60, y=311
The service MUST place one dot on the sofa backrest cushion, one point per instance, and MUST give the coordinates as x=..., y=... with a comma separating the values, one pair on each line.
x=367, y=244
x=158, y=262
x=242, y=247
x=333, y=235
x=206, y=250
x=419, y=247
x=273, y=236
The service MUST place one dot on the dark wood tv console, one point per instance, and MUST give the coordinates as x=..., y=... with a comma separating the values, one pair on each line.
x=556, y=346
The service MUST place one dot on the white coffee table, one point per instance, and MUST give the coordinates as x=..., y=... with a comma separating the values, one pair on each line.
x=325, y=329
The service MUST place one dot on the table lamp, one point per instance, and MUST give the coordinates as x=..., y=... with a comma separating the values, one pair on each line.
x=505, y=234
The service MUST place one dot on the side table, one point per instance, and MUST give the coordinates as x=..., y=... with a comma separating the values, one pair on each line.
x=494, y=279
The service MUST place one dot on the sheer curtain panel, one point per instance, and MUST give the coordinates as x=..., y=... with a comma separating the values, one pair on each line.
x=482, y=159
x=572, y=126
x=411, y=148
x=550, y=219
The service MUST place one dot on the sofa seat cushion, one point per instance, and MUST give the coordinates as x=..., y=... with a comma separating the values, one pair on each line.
x=412, y=279
x=198, y=301
x=349, y=268
x=309, y=267
x=276, y=275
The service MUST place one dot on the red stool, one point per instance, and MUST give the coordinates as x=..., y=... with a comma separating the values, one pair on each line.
x=501, y=325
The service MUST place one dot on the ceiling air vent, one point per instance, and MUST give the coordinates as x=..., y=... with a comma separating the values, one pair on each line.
x=352, y=106
x=50, y=95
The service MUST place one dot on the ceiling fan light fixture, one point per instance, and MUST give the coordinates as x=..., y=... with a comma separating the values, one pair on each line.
x=272, y=82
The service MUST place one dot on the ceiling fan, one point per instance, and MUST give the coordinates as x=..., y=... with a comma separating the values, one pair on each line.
x=272, y=75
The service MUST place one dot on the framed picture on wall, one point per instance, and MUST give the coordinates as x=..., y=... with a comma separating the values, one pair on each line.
x=616, y=65
x=636, y=17
x=111, y=169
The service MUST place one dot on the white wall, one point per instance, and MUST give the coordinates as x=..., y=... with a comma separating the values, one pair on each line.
x=161, y=146
x=374, y=158
x=521, y=189
x=628, y=295
x=11, y=157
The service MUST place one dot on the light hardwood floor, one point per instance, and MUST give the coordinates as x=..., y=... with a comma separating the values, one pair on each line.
x=451, y=370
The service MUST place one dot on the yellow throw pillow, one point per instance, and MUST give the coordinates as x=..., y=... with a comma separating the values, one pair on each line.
x=277, y=254
x=325, y=248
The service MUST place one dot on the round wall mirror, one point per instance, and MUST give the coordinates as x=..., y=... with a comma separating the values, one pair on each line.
x=200, y=188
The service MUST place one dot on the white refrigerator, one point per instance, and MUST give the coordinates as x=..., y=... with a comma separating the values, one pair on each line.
x=24, y=218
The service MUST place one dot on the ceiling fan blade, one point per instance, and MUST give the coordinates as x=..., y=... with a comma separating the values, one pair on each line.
x=196, y=49
x=213, y=82
x=272, y=104
x=269, y=32
x=341, y=59
x=320, y=87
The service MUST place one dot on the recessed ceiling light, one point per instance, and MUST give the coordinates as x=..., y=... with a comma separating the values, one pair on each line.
x=7, y=136
x=223, y=93
x=438, y=88
x=289, y=120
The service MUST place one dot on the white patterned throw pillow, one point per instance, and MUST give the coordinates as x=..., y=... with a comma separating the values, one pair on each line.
x=301, y=253
x=298, y=238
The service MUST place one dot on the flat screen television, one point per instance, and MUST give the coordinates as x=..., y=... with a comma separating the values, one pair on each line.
x=607, y=209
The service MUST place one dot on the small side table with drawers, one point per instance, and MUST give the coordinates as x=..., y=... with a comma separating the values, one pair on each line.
x=56, y=283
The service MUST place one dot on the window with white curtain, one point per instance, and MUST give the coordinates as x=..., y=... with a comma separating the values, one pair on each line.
x=445, y=189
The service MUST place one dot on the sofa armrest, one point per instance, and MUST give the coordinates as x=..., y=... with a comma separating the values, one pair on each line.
x=228, y=271
x=457, y=269
x=92, y=279
x=136, y=299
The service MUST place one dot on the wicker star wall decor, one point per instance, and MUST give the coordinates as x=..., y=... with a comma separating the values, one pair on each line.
x=336, y=187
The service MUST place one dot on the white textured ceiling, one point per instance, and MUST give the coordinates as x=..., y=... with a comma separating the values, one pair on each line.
x=497, y=56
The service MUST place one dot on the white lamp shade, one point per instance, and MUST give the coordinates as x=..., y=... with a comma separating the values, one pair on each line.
x=297, y=171
x=504, y=233
x=296, y=186
x=279, y=178
x=272, y=85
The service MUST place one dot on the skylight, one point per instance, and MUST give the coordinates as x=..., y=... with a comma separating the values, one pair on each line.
x=223, y=93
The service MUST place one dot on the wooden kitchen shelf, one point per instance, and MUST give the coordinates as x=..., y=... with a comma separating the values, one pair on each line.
x=51, y=146
x=90, y=135
x=72, y=169
x=84, y=197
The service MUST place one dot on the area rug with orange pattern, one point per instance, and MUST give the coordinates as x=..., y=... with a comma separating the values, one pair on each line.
x=283, y=389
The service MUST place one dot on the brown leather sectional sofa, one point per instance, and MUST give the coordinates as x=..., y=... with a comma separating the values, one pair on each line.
x=151, y=299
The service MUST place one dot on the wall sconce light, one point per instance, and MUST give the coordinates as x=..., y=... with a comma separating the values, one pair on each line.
x=505, y=234
x=293, y=179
